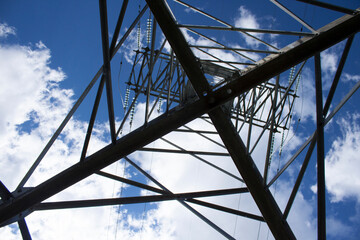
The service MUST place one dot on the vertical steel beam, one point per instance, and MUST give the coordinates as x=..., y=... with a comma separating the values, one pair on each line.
x=271, y=132
x=320, y=152
x=252, y=110
x=243, y=161
x=106, y=66
x=170, y=77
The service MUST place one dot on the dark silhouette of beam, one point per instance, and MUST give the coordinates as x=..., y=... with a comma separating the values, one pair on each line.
x=266, y=68
x=106, y=67
x=321, y=197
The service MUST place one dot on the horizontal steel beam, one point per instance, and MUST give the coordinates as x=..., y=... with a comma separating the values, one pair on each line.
x=196, y=131
x=254, y=30
x=133, y=200
x=178, y=116
x=234, y=49
x=223, y=154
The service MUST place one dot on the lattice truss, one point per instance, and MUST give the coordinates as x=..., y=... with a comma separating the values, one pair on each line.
x=186, y=83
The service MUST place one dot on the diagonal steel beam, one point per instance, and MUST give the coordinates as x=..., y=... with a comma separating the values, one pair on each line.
x=130, y=182
x=243, y=161
x=24, y=230
x=182, y=202
x=328, y=6
x=5, y=194
x=92, y=118
x=337, y=75
x=178, y=116
x=225, y=209
x=118, y=26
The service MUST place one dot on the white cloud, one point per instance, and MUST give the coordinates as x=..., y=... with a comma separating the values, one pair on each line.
x=182, y=173
x=337, y=229
x=248, y=20
x=329, y=65
x=6, y=30
x=342, y=161
x=30, y=95
x=346, y=77
x=300, y=217
x=46, y=103
x=305, y=105
x=223, y=55
x=32, y=106
x=132, y=43
x=35, y=105
x=329, y=61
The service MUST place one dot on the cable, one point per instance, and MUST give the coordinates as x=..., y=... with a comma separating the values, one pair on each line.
x=238, y=208
x=145, y=204
x=122, y=100
x=259, y=231
x=121, y=193
x=112, y=195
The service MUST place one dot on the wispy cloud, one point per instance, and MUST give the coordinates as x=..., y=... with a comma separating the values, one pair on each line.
x=337, y=229
x=349, y=78
x=6, y=30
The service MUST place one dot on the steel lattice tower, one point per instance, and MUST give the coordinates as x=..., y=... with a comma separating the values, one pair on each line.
x=180, y=81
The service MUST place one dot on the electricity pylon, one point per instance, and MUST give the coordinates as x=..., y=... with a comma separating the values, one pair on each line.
x=184, y=81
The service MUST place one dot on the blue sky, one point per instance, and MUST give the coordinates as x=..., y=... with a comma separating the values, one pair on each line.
x=50, y=51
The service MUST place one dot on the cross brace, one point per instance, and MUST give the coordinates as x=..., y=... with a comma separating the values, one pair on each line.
x=178, y=116
x=243, y=161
